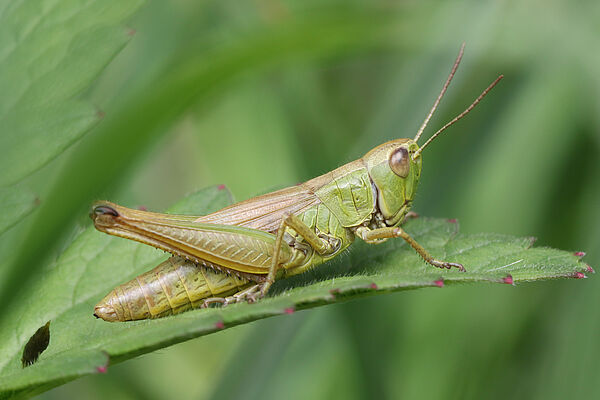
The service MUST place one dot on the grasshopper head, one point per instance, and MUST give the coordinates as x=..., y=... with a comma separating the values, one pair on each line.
x=395, y=166
x=395, y=172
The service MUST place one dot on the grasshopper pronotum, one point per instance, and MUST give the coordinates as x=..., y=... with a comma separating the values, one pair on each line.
x=236, y=254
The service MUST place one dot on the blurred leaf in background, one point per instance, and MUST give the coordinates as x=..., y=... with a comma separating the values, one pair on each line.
x=266, y=93
x=48, y=56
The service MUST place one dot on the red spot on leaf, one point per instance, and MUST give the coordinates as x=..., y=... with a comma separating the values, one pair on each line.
x=373, y=286
x=289, y=310
x=102, y=369
x=142, y=208
x=221, y=187
x=453, y=220
x=508, y=280
x=579, y=253
x=219, y=325
x=439, y=283
x=131, y=32
x=578, y=275
x=100, y=114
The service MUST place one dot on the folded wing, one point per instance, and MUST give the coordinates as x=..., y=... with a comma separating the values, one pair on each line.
x=265, y=212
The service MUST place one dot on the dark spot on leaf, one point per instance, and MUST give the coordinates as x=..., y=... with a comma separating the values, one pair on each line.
x=36, y=345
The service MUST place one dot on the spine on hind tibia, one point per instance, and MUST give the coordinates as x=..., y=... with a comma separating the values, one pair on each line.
x=174, y=286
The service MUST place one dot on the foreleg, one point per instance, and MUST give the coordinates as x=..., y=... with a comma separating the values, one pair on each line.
x=375, y=235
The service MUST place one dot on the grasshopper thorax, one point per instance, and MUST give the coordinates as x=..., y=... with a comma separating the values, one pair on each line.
x=395, y=174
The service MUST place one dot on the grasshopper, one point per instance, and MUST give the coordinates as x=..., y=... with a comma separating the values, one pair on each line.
x=236, y=254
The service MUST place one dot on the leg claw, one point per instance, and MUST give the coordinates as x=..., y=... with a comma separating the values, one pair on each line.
x=250, y=295
x=411, y=215
x=447, y=265
x=213, y=300
x=455, y=265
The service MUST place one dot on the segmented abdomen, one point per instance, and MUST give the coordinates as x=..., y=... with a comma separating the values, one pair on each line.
x=174, y=286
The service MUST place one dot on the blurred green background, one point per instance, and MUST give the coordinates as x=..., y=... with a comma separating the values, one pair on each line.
x=291, y=89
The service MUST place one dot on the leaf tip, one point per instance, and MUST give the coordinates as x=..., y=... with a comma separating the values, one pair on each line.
x=508, y=279
x=102, y=369
x=579, y=275
x=589, y=269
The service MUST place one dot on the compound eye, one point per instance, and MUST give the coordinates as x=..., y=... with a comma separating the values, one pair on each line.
x=400, y=162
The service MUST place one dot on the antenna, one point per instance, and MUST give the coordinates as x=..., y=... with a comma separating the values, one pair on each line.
x=459, y=116
x=439, y=98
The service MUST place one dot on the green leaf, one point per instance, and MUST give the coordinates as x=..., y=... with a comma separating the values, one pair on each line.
x=94, y=263
x=15, y=204
x=49, y=53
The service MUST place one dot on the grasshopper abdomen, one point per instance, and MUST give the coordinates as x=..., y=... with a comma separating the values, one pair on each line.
x=174, y=286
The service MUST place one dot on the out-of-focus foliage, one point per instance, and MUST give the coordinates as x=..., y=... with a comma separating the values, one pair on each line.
x=49, y=53
x=265, y=93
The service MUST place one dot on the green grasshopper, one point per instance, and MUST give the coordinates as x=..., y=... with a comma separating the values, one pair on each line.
x=236, y=254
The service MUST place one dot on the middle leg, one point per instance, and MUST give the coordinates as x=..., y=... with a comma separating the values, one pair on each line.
x=320, y=245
